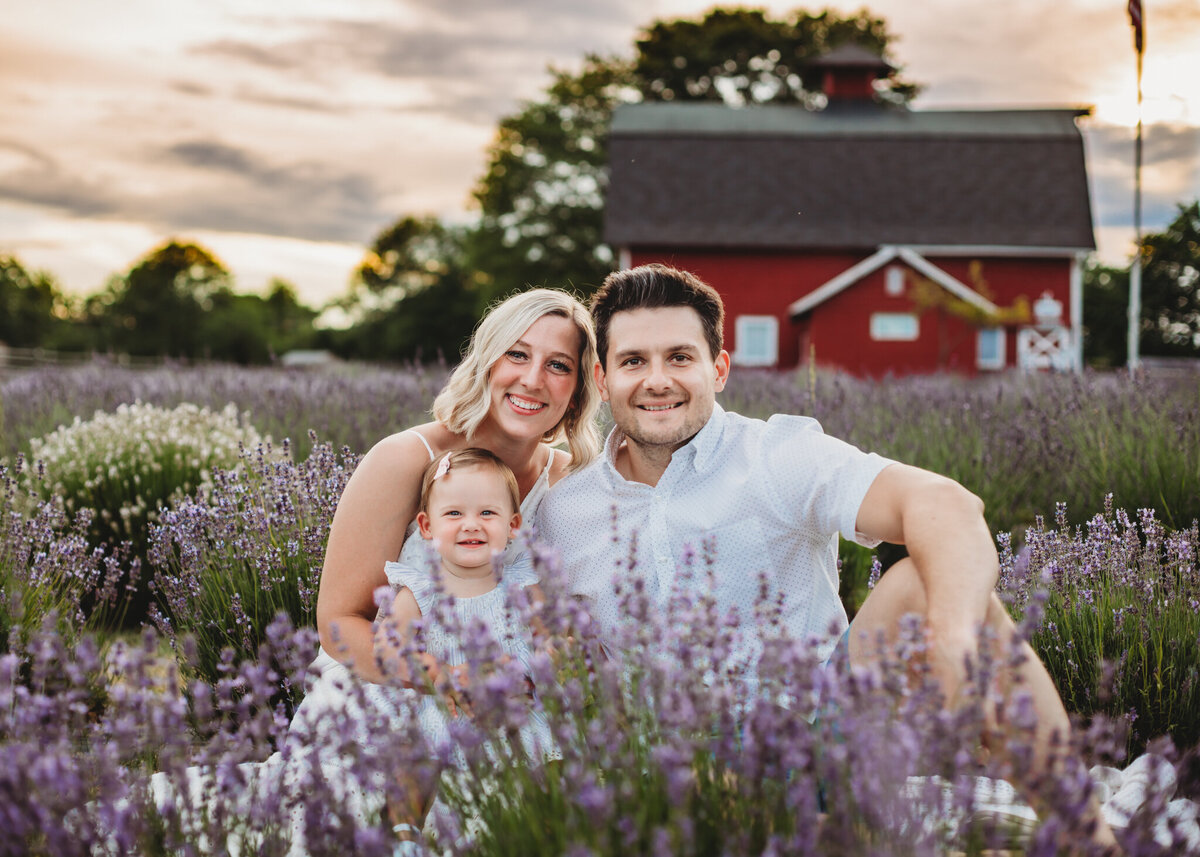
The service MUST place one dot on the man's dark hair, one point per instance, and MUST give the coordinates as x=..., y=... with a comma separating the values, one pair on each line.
x=652, y=287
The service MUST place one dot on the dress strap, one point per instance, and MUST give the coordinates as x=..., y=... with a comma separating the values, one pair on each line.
x=422, y=439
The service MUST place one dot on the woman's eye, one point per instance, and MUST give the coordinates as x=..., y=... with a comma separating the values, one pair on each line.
x=513, y=354
x=560, y=367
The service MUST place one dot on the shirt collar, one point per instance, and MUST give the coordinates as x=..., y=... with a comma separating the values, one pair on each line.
x=702, y=447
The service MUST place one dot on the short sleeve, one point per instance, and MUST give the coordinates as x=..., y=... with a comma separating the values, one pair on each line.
x=415, y=580
x=817, y=479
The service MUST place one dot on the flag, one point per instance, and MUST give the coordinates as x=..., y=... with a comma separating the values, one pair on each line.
x=1135, y=18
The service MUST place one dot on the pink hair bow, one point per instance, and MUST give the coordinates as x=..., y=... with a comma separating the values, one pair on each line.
x=443, y=467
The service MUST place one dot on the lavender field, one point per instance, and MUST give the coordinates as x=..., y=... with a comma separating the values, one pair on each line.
x=199, y=514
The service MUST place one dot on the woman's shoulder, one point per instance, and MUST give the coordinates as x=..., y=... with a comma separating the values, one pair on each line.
x=560, y=464
x=429, y=439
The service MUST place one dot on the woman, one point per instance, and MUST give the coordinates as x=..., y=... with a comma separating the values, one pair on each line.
x=525, y=384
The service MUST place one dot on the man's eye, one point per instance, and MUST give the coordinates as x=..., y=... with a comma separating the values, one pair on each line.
x=633, y=361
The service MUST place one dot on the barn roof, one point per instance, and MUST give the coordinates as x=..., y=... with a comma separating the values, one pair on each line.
x=776, y=177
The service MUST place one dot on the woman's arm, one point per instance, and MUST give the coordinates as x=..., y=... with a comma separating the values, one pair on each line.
x=368, y=530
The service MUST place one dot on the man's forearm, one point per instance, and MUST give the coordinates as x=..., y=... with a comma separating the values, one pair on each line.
x=950, y=544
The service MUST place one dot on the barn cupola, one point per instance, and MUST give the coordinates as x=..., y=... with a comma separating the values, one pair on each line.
x=847, y=75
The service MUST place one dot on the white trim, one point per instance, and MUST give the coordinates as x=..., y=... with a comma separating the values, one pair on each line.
x=1077, y=310
x=880, y=258
x=955, y=287
x=624, y=259
x=846, y=278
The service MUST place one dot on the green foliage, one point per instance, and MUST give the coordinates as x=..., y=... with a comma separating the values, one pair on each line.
x=1105, y=315
x=1121, y=634
x=129, y=465
x=234, y=557
x=156, y=309
x=413, y=296
x=740, y=56
x=32, y=309
x=1171, y=287
x=542, y=196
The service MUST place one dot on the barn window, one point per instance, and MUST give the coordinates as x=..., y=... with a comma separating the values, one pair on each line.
x=893, y=281
x=757, y=339
x=989, y=348
x=894, y=327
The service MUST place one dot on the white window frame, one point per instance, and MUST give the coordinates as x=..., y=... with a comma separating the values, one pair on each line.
x=1000, y=358
x=895, y=327
x=744, y=331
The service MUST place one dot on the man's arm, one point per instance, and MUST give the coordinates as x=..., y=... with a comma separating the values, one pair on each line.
x=942, y=525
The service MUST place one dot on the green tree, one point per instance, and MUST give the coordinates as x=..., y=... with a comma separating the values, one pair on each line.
x=414, y=295
x=740, y=56
x=1105, y=314
x=32, y=309
x=1171, y=287
x=156, y=308
x=1170, y=324
x=542, y=196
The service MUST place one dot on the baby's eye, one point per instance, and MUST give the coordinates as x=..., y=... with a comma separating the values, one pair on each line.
x=452, y=513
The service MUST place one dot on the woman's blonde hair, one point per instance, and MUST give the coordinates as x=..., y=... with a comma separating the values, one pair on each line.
x=463, y=403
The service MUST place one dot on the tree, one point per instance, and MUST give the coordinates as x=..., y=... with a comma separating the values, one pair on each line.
x=32, y=308
x=1170, y=324
x=156, y=308
x=542, y=197
x=1105, y=311
x=739, y=56
x=414, y=295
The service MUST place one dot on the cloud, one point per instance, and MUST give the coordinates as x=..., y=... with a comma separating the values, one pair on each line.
x=1170, y=171
x=220, y=187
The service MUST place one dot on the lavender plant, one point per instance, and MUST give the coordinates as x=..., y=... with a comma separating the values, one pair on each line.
x=46, y=564
x=128, y=465
x=1122, y=623
x=664, y=750
x=350, y=405
x=250, y=547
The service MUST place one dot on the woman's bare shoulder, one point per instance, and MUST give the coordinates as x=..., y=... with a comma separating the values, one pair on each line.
x=560, y=466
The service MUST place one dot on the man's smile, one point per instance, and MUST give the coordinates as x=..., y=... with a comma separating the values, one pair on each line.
x=662, y=407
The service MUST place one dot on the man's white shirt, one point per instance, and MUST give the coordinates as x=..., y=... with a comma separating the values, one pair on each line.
x=766, y=500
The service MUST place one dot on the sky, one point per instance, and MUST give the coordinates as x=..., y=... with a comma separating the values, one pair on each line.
x=285, y=136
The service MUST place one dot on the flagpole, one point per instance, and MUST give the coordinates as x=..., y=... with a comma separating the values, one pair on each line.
x=1135, y=271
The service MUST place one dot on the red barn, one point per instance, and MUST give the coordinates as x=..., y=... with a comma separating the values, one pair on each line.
x=871, y=239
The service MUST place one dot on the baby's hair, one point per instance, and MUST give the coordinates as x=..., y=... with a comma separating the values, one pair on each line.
x=463, y=458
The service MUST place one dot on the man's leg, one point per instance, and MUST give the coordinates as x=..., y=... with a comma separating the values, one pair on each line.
x=900, y=593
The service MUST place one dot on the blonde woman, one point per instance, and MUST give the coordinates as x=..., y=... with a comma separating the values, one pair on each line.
x=524, y=386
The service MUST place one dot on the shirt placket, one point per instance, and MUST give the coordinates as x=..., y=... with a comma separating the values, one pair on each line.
x=660, y=537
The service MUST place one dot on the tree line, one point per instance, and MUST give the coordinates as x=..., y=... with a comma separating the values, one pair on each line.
x=422, y=284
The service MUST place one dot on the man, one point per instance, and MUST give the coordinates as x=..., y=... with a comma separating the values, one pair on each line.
x=772, y=496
